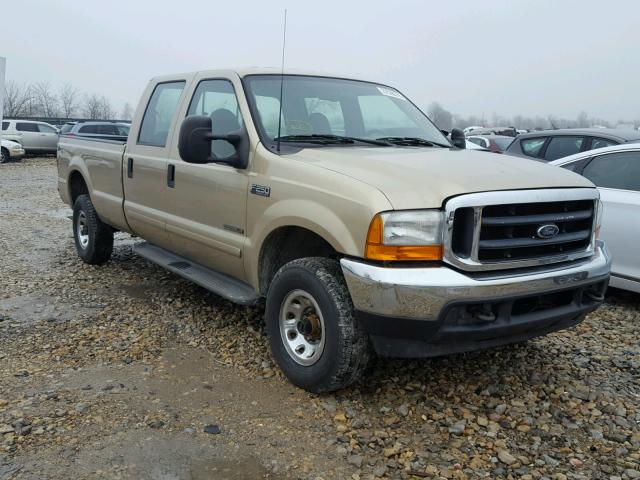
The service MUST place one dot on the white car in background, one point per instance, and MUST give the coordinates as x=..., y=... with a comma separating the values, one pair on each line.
x=35, y=137
x=10, y=150
x=616, y=172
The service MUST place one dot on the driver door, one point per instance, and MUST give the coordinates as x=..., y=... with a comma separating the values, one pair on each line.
x=206, y=217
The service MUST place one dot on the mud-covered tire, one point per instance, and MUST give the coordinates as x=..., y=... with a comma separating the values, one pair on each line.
x=346, y=348
x=4, y=155
x=93, y=238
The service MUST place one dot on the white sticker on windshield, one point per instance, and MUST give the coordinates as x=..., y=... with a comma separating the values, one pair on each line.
x=391, y=93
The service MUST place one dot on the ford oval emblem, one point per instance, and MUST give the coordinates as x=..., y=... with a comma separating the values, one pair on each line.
x=547, y=231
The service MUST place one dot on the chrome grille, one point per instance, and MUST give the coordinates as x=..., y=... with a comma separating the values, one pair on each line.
x=497, y=230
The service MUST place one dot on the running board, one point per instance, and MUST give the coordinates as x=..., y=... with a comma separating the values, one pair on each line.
x=216, y=282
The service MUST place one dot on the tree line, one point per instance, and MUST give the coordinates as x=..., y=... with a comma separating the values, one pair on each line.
x=43, y=100
x=447, y=120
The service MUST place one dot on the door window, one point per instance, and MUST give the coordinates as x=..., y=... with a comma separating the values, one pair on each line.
x=5, y=125
x=88, y=129
x=560, y=147
x=477, y=141
x=26, y=127
x=217, y=100
x=615, y=170
x=159, y=114
x=601, y=143
x=46, y=129
x=532, y=146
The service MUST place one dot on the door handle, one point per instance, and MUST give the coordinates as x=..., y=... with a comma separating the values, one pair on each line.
x=171, y=176
x=130, y=167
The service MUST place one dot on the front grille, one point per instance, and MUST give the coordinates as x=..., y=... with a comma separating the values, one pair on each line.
x=504, y=230
x=509, y=232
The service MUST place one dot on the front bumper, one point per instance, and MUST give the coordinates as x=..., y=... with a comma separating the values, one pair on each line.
x=417, y=312
x=16, y=152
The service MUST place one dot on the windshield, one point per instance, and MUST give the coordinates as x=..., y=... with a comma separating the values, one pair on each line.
x=332, y=106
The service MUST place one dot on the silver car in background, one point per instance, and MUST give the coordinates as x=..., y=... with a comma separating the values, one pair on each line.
x=616, y=172
x=35, y=137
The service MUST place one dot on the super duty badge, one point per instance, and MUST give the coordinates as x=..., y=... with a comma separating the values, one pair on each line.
x=261, y=190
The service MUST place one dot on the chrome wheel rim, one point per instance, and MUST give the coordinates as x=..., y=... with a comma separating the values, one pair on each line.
x=82, y=230
x=302, y=327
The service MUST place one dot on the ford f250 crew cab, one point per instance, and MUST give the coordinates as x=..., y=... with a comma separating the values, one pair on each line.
x=339, y=203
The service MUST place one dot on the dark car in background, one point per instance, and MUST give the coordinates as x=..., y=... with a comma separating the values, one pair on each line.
x=109, y=130
x=548, y=145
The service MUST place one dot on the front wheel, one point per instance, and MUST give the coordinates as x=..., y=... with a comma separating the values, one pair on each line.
x=93, y=238
x=314, y=335
x=4, y=155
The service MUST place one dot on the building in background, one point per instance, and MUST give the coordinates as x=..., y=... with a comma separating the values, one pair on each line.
x=3, y=64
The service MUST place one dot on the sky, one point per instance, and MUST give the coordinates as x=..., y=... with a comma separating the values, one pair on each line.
x=478, y=57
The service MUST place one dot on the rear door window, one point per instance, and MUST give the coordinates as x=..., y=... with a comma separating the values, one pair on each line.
x=531, y=147
x=159, y=114
x=88, y=129
x=601, y=143
x=26, y=127
x=560, y=147
x=615, y=170
x=5, y=125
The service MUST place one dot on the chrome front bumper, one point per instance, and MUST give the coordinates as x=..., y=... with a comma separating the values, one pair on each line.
x=424, y=293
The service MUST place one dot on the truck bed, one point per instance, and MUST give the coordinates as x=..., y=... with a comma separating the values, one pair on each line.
x=99, y=160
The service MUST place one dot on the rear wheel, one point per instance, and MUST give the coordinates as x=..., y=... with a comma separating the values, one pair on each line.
x=93, y=238
x=4, y=155
x=314, y=335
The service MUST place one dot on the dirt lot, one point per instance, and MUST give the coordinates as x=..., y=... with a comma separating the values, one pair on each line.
x=115, y=371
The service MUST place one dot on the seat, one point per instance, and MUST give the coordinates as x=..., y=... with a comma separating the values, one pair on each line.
x=320, y=124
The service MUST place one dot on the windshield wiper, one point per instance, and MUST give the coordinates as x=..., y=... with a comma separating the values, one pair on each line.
x=412, y=142
x=328, y=139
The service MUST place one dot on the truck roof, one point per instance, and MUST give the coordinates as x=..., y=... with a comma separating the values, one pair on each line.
x=246, y=71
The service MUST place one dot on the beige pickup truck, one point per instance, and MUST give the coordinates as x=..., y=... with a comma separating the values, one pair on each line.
x=339, y=202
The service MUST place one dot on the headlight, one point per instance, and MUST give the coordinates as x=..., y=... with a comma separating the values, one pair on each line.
x=406, y=235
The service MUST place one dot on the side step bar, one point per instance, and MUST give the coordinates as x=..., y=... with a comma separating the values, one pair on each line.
x=216, y=282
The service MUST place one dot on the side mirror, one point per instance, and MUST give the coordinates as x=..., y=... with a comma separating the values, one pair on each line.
x=196, y=135
x=458, y=139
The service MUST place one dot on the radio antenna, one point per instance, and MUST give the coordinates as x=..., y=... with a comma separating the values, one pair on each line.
x=284, y=43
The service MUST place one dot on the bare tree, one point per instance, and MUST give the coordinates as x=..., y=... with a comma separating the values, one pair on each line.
x=45, y=100
x=127, y=112
x=91, y=107
x=97, y=108
x=107, y=112
x=68, y=96
x=440, y=116
x=16, y=99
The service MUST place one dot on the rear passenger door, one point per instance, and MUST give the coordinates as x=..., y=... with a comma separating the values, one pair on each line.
x=29, y=135
x=144, y=169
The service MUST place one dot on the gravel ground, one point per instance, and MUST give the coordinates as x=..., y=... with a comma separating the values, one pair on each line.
x=127, y=371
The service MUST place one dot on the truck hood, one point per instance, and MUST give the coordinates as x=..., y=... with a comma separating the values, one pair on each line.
x=426, y=177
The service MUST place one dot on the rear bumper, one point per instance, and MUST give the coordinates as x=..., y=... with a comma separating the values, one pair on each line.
x=417, y=312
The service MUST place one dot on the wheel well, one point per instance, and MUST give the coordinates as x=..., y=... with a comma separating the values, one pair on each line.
x=286, y=244
x=77, y=186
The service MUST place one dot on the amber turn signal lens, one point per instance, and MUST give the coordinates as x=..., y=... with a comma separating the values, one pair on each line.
x=376, y=250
